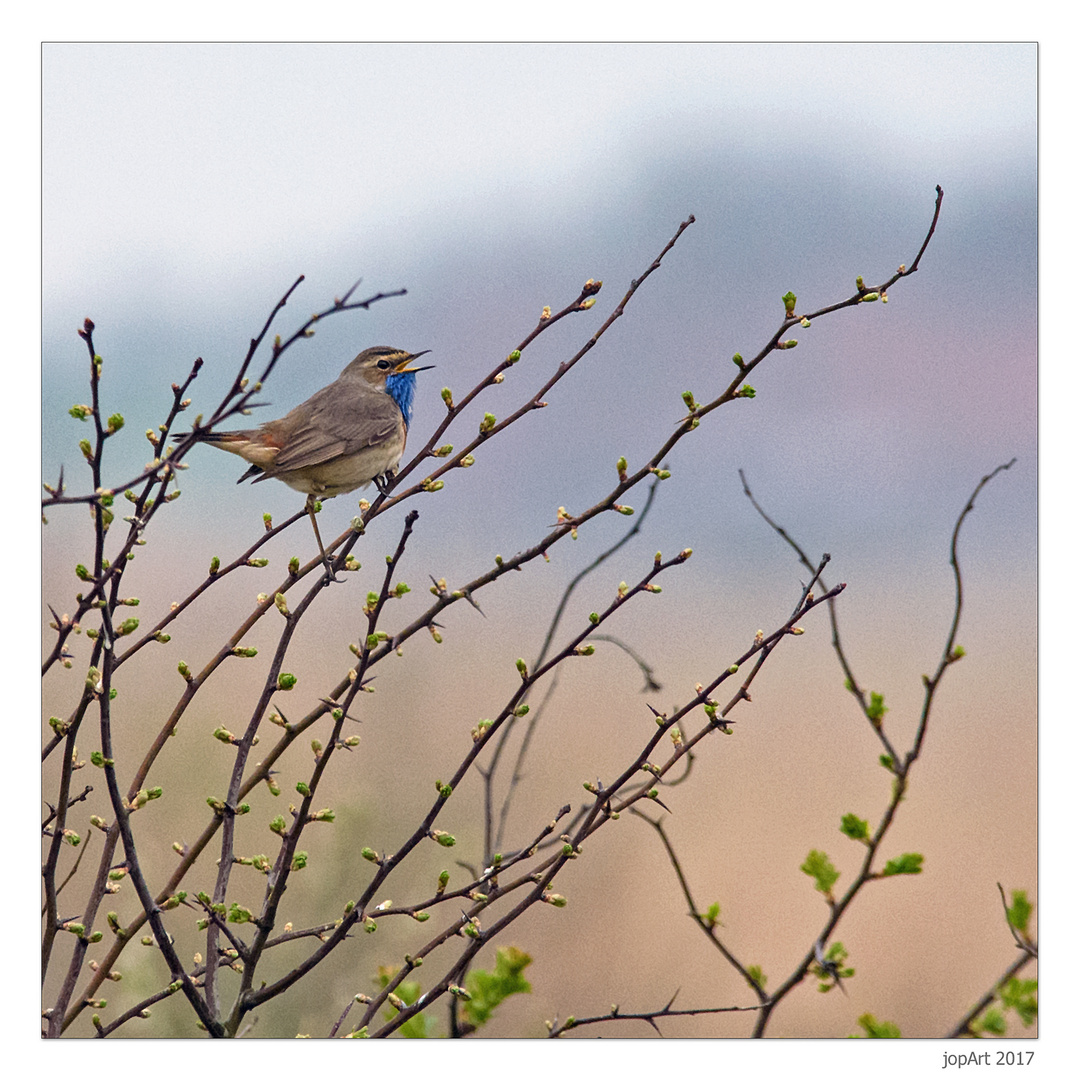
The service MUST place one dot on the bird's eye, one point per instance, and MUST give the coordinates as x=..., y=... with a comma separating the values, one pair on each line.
x=384, y=364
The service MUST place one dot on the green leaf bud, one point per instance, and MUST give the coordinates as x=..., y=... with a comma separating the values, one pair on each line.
x=286, y=681
x=876, y=710
x=238, y=914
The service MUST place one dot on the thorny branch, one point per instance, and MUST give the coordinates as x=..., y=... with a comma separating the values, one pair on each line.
x=532, y=885
x=900, y=767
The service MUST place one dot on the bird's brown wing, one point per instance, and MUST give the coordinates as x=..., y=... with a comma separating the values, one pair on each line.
x=335, y=421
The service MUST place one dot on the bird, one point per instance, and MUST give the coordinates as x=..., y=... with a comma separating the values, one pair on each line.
x=342, y=438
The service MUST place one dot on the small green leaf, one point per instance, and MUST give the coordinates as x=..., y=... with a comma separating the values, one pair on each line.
x=992, y=1022
x=908, y=863
x=855, y=827
x=238, y=914
x=1019, y=994
x=1020, y=912
x=488, y=989
x=823, y=872
x=878, y=1029
x=876, y=710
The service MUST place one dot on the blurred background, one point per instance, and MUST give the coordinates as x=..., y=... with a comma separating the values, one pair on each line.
x=186, y=187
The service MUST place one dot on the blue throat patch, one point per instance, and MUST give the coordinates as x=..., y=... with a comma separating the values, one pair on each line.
x=401, y=386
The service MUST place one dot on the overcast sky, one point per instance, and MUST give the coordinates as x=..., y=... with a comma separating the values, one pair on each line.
x=237, y=151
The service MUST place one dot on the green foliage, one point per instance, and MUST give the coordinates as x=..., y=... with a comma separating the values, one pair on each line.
x=488, y=989
x=877, y=1029
x=408, y=991
x=1019, y=994
x=823, y=872
x=992, y=1022
x=712, y=916
x=238, y=914
x=1020, y=912
x=875, y=711
x=855, y=827
x=908, y=863
x=757, y=976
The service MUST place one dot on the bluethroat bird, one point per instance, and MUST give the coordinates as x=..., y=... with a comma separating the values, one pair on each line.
x=343, y=437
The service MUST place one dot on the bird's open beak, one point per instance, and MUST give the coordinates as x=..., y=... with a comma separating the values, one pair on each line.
x=403, y=368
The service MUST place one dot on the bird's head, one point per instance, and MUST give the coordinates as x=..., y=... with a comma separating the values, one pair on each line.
x=387, y=369
x=382, y=362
